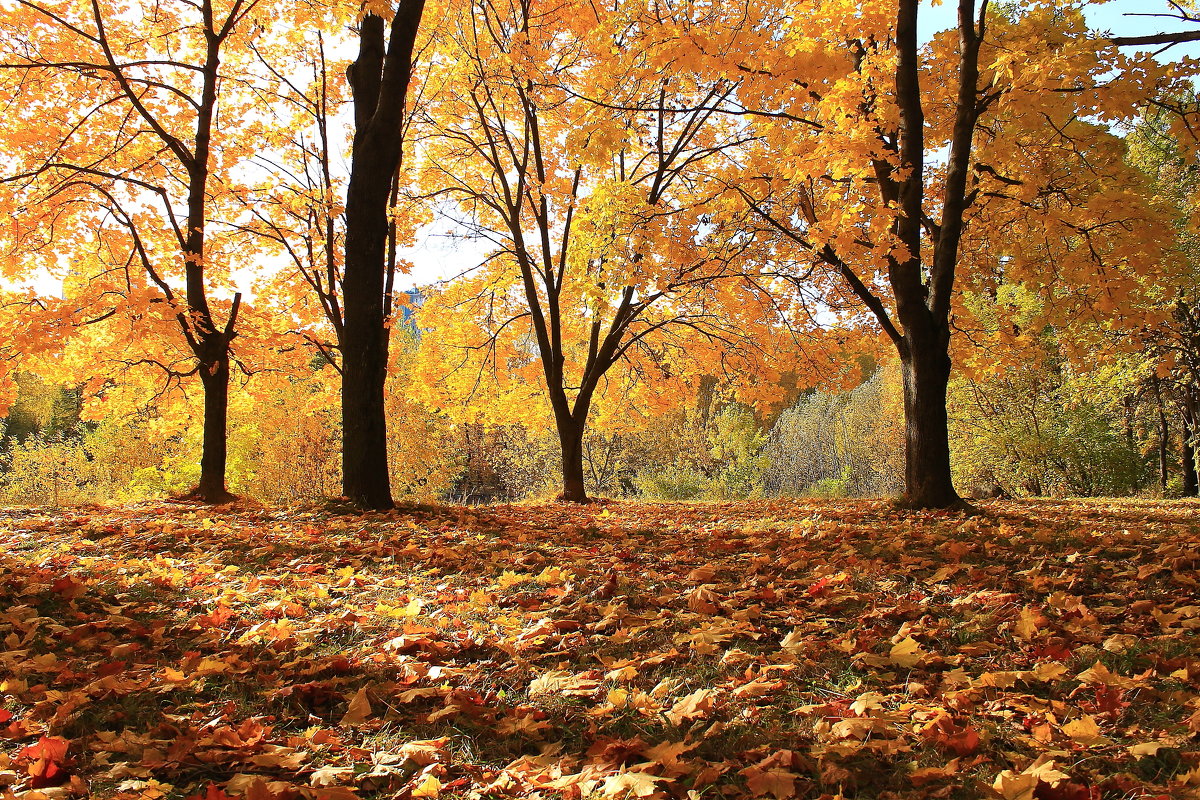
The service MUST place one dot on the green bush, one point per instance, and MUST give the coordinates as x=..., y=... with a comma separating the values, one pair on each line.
x=672, y=483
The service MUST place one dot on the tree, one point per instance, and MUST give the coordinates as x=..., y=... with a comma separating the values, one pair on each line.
x=379, y=81
x=579, y=151
x=897, y=157
x=117, y=167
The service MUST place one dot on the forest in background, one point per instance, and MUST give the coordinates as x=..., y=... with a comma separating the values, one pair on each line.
x=1044, y=429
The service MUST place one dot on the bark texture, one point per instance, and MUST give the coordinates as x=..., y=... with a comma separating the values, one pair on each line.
x=379, y=80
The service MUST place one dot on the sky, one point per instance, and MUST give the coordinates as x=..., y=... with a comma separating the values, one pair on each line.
x=1122, y=17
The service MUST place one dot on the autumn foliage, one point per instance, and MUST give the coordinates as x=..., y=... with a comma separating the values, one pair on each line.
x=776, y=649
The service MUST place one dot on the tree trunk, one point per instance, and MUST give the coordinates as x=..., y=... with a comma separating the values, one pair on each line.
x=379, y=80
x=365, y=479
x=1191, y=486
x=570, y=438
x=1164, y=441
x=211, y=488
x=1164, y=437
x=928, y=482
x=1131, y=443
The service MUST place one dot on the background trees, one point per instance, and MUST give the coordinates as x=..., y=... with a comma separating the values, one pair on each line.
x=929, y=186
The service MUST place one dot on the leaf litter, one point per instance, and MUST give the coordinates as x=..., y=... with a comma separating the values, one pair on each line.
x=1043, y=651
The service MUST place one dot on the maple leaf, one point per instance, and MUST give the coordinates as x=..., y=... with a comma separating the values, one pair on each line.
x=667, y=755
x=793, y=642
x=638, y=784
x=48, y=755
x=906, y=653
x=960, y=740
x=359, y=710
x=777, y=782
x=1085, y=731
x=693, y=706
x=1029, y=621
x=703, y=599
x=330, y=775
x=1098, y=673
x=1022, y=786
x=924, y=775
x=213, y=792
x=564, y=682
x=429, y=786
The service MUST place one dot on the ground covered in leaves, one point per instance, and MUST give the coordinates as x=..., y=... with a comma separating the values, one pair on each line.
x=1042, y=651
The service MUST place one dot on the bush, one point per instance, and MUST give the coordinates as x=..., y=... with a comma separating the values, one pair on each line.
x=732, y=468
x=1041, y=430
x=672, y=483
x=849, y=444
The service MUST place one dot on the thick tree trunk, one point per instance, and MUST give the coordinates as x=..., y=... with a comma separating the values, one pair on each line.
x=211, y=488
x=365, y=479
x=379, y=80
x=928, y=482
x=570, y=438
x=364, y=343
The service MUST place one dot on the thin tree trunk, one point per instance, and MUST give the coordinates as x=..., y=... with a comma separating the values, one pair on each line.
x=1164, y=440
x=1131, y=443
x=1164, y=444
x=1191, y=486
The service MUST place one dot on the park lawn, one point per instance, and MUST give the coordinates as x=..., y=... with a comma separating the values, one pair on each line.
x=1045, y=650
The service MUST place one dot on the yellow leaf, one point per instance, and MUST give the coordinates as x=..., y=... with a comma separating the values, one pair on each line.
x=1085, y=731
x=793, y=642
x=1012, y=786
x=1028, y=622
x=429, y=786
x=509, y=578
x=1098, y=673
x=1049, y=671
x=639, y=784
x=1145, y=749
x=906, y=653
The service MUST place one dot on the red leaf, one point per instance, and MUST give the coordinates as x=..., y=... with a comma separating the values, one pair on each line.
x=818, y=589
x=48, y=756
x=214, y=792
